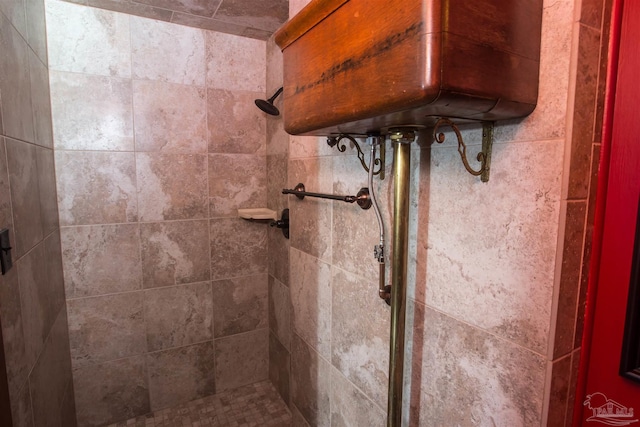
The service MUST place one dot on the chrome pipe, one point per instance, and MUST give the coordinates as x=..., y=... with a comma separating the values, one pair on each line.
x=402, y=139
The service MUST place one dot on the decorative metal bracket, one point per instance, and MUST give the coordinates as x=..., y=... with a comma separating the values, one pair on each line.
x=484, y=157
x=337, y=141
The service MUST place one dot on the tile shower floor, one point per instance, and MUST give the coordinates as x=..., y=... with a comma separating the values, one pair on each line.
x=252, y=405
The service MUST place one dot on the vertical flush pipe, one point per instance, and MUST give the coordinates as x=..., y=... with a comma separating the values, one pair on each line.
x=402, y=139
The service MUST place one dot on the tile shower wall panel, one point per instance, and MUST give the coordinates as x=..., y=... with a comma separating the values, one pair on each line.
x=153, y=159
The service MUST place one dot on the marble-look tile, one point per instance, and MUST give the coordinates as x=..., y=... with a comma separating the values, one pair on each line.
x=36, y=28
x=88, y=40
x=235, y=124
x=41, y=297
x=111, y=391
x=349, y=407
x=178, y=315
x=180, y=375
x=360, y=328
x=240, y=305
x=280, y=312
x=68, y=409
x=174, y=253
x=12, y=333
x=171, y=186
x=15, y=85
x=21, y=409
x=560, y=380
x=255, y=13
x=277, y=171
x=548, y=119
x=236, y=181
x=130, y=7
x=485, y=377
x=591, y=13
x=101, y=259
x=238, y=248
x=311, y=301
x=106, y=328
x=242, y=359
x=40, y=100
x=210, y=24
x=278, y=250
x=193, y=7
x=51, y=375
x=96, y=188
x=296, y=6
x=169, y=117
x=297, y=420
x=14, y=10
x=6, y=216
x=167, y=52
x=301, y=147
x=310, y=384
x=275, y=70
x=235, y=63
x=25, y=196
x=494, y=266
x=310, y=219
x=47, y=190
x=279, y=367
x=91, y=112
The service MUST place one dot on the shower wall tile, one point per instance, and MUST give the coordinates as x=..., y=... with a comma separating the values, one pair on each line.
x=111, y=391
x=96, y=188
x=278, y=250
x=180, y=375
x=14, y=10
x=192, y=7
x=74, y=32
x=301, y=147
x=36, y=29
x=41, y=295
x=51, y=375
x=238, y=248
x=171, y=186
x=311, y=301
x=91, y=112
x=47, y=190
x=178, y=315
x=21, y=408
x=561, y=377
x=25, y=195
x=12, y=332
x=279, y=367
x=236, y=181
x=235, y=63
x=235, y=124
x=106, y=328
x=242, y=359
x=68, y=410
x=174, y=253
x=169, y=117
x=269, y=16
x=310, y=383
x=15, y=86
x=166, y=52
x=310, y=223
x=522, y=212
x=240, y=305
x=349, y=407
x=101, y=259
x=6, y=217
x=40, y=100
x=280, y=312
x=482, y=374
x=360, y=325
x=277, y=169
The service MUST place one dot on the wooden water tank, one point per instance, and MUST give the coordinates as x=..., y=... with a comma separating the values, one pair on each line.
x=361, y=66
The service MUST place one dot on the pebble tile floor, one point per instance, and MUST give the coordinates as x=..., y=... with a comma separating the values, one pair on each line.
x=249, y=406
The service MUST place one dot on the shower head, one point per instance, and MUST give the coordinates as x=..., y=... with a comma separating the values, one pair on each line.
x=267, y=106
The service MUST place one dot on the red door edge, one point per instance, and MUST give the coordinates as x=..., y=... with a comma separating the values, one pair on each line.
x=600, y=206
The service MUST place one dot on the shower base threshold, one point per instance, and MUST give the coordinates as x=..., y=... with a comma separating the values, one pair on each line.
x=252, y=405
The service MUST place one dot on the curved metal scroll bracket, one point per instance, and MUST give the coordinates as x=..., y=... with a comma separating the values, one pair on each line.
x=337, y=141
x=484, y=157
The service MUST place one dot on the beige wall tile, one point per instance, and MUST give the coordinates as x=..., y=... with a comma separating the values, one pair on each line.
x=40, y=101
x=14, y=10
x=168, y=53
x=171, y=186
x=6, y=219
x=169, y=117
x=240, y=305
x=178, y=315
x=174, y=253
x=91, y=112
x=255, y=13
x=279, y=364
x=36, y=28
x=235, y=63
x=101, y=259
x=47, y=190
x=349, y=407
x=280, y=312
x=96, y=188
x=238, y=248
x=236, y=181
x=242, y=359
x=87, y=40
x=310, y=384
x=193, y=7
